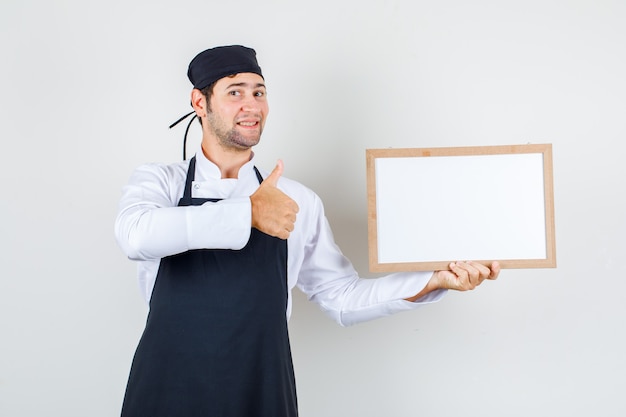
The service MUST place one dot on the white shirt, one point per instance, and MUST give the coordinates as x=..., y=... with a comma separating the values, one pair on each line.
x=150, y=226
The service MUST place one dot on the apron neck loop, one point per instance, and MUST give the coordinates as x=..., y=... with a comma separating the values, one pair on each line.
x=186, y=130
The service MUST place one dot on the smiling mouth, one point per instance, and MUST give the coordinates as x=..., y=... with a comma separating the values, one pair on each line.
x=248, y=124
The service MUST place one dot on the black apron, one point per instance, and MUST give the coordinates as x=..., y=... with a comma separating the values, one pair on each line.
x=216, y=341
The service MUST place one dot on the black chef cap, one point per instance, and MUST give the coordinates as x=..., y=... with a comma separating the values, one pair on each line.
x=216, y=63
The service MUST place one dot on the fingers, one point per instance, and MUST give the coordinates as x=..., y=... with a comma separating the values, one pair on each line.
x=495, y=270
x=468, y=275
x=472, y=274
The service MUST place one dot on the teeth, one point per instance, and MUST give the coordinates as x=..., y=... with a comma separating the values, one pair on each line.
x=247, y=123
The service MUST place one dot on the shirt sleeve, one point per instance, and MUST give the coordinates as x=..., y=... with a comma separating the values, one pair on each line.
x=149, y=224
x=329, y=279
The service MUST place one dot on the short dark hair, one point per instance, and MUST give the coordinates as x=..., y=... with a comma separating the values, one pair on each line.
x=207, y=92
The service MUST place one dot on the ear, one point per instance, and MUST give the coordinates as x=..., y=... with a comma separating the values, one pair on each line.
x=198, y=102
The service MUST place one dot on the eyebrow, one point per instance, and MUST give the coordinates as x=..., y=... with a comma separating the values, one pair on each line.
x=245, y=85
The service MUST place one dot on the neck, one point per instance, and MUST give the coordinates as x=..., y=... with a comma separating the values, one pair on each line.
x=229, y=161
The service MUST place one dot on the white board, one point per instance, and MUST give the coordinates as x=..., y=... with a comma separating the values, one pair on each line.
x=428, y=207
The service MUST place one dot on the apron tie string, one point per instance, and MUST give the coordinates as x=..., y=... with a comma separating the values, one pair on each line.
x=186, y=130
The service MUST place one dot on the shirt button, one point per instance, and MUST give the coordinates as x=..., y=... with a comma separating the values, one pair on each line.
x=196, y=186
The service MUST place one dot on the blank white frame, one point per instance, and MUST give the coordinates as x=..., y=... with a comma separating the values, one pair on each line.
x=430, y=206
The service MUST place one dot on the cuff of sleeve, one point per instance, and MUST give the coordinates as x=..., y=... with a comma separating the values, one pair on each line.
x=393, y=307
x=431, y=297
x=391, y=293
x=411, y=283
x=222, y=225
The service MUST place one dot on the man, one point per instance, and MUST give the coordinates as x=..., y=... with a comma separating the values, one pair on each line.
x=221, y=244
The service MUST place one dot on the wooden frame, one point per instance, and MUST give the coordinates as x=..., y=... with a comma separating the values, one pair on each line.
x=430, y=206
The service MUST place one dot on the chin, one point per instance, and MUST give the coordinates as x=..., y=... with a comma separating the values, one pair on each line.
x=244, y=144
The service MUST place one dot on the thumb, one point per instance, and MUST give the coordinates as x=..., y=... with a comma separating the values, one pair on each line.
x=272, y=179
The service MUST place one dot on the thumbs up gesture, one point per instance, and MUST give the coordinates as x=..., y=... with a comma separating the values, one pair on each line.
x=273, y=212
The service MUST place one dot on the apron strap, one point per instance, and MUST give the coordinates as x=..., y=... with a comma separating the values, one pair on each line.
x=191, y=175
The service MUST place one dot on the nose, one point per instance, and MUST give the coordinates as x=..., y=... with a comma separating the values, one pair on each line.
x=250, y=103
x=250, y=108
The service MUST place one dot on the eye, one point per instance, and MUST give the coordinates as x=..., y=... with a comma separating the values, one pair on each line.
x=259, y=94
x=234, y=93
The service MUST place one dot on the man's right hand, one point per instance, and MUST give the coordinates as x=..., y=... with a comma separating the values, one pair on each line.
x=273, y=212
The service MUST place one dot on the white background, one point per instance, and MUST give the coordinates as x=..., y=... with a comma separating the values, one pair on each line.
x=87, y=90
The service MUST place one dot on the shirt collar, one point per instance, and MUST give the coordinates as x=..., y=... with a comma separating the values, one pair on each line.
x=205, y=169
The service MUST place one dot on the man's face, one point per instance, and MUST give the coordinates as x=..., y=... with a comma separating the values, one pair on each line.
x=238, y=108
